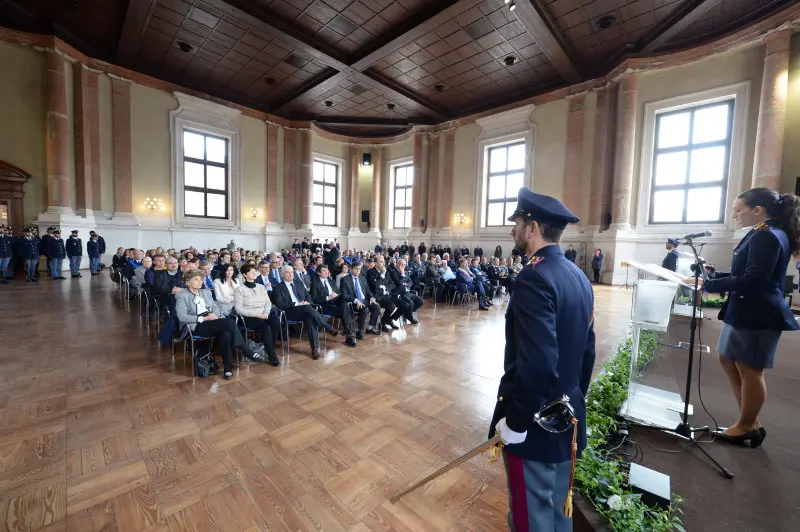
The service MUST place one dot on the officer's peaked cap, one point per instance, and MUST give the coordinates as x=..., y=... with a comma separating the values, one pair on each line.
x=543, y=209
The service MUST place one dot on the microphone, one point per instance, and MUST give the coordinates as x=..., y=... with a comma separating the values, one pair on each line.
x=696, y=235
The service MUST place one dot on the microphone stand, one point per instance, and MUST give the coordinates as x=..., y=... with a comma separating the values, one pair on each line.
x=683, y=429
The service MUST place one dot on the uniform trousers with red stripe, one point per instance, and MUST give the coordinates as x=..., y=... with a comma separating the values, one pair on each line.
x=536, y=494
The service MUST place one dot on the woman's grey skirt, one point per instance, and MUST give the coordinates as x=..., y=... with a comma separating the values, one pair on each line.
x=755, y=348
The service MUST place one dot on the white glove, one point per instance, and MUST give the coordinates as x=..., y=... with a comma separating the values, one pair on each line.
x=508, y=436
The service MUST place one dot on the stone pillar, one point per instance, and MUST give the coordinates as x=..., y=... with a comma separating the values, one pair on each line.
x=772, y=111
x=289, y=177
x=623, y=159
x=121, y=115
x=59, y=196
x=272, y=173
x=419, y=208
x=355, y=191
x=375, y=210
x=431, y=220
x=572, y=174
x=603, y=156
x=306, y=180
x=83, y=140
x=446, y=192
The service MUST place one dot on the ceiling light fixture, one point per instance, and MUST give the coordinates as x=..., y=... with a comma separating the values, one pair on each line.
x=438, y=88
x=510, y=60
x=512, y=7
x=390, y=106
x=328, y=103
x=269, y=81
x=184, y=46
x=605, y=22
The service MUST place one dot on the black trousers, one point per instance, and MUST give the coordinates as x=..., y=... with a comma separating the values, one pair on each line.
x=373, y=310
x=268, y=329
x=596, y=274
x=226, y=333
x=341, y=311
x=312, y=321
x=407, y=304
x=388, y=303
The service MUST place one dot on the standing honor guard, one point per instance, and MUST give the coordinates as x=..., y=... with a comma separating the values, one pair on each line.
x=6, y=251
x=28, y=251
x=75, y=253
x=549, y=353
x=670, y=262
x=93, y=250
x=57, y=255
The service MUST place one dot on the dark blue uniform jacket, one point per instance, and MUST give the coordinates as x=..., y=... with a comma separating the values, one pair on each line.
x=57, y=249
x=670, y=262
x=549, y=352
x=74, y=247
x=27, y=248
x=755, y=283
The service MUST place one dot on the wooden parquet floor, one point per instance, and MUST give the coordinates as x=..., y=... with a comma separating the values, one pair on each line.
x=101, y=429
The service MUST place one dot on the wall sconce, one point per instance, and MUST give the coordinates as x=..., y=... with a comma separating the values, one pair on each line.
x=366, y=159
x=459, y=218
x=255, y=213
x=154, y=204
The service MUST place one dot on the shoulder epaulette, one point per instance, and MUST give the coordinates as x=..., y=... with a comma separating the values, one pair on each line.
x=534, y=261
x=761, y=226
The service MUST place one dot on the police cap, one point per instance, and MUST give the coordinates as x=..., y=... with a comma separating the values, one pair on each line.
x=674, y=241
x=28, y=230
x=74, y=231
x=543, y=209
x=52, y=228
x=92, y=233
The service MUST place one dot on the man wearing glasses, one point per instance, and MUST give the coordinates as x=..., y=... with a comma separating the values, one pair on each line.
x=550, y=352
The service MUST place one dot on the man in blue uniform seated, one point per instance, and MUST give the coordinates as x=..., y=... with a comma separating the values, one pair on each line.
x=550, y=352
x=670, y=262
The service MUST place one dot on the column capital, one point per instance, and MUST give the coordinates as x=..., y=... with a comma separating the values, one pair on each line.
x=779, y=41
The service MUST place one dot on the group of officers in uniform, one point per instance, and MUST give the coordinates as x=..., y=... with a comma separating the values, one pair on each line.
x=30, y=247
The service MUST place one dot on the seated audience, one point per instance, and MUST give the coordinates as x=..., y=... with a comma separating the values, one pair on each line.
x=356, y=291
x=331, y=302
x=465, y=282
x=253, y=305
x=403, y=286
x=225, y=286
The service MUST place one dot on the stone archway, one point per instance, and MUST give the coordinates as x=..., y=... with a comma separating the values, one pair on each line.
x=12, y=191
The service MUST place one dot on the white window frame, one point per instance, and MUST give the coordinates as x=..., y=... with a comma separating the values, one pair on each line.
x=328, y=230
x=394, y=164
x=202, y=116
x=740, y=92
x=497, y=130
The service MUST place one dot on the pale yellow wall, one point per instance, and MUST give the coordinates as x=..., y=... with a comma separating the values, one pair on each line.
x=106, y=144
x=589, y=120
x=397, y=150
x=150, y=147
x=791, y=140
x=22, y=119
x=464, y=172
x=550, y=148
x=744, y=64
x=253, y=134
x=329, y=147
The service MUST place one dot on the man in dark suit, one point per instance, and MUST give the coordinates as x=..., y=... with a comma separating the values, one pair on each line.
x=331, y=256
x=571, y=254
x=301, y=275
x=550, y=351
x=478, y=252
x=293, y=299
x=263, y=276
x=670, y=262
x=324, y=294
x=356, y=291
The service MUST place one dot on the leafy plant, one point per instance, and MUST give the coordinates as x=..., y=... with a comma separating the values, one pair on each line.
x=598, y=475
x=711, y=302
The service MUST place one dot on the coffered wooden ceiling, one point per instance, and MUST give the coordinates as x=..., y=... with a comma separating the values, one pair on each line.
x=385, y=63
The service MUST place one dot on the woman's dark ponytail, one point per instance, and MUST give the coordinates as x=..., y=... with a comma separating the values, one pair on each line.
x=785, y=208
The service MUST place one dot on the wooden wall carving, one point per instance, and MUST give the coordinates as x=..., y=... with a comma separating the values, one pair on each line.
x=12, y=192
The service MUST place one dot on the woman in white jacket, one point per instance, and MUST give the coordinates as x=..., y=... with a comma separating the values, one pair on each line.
x=224, y=287
x=252, y=303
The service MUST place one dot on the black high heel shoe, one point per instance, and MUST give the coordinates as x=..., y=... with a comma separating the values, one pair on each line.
x=752, y=439
x=761, y=429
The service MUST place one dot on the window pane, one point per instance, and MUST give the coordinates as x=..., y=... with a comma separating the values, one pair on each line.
x=497, y=187
x=216, y=205
x=513, y=186
x=317, y=215
x=193, y=145
x=497, y=160
x=319, y=172
x=215, y=177
x=708, y=164
x=671, y=168
x=710, y=124
x=516, y=157
x=408, y=218
x=511, y=206
x=495, y=214
x=399, y=218
x=400, y=198
x=400, y=177
x=319, y=194
x=673, y=130
x=330, y=195
x=193, y=174
x=668, y=206
x=330, y=174
x=703, y=204
x=194, y=203
x=216, y=150
x=409, y=176
x=330, y=216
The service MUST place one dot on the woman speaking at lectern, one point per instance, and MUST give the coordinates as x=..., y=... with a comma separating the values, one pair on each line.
x=756, y=312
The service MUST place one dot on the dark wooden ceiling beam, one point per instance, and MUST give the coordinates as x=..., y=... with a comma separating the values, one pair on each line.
x=315, y=86
x=536, y=20
x=672, y=26
x=136, y=19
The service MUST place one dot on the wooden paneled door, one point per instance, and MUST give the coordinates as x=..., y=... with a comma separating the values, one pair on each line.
x=12, y=190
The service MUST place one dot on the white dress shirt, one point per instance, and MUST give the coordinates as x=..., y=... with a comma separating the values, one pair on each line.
x=291, y=289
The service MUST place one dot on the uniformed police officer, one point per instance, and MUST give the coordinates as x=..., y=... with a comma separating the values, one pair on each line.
x=44, y=248
x=670, y=262
x=93, y=250
x=550, y=352
x=75, y=253
x=6, y=252
x=28, y=251
x=58, y=253
x=101, y=242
